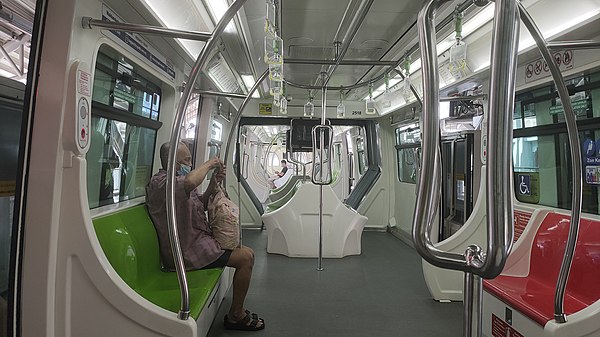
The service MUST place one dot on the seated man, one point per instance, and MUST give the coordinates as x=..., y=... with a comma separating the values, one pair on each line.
x=283, y=169
x=278, y=174
x=199, y=248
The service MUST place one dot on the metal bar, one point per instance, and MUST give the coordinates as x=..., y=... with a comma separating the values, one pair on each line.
x=587, y=44
x=341, y=62
x=184, y=311
x=412, y=87
x=571, y=121
x=393, y=64
x=447, y=20
x=478, y=298
x=349, y=36
x=429, y=189
x=468, y=304
x=499, y=202
x=89, y=23
x=499, y=168
x=235, y=120
x=22, y=57
x=219, y=94
x=11, y=62
x=463, y=98
x=322, y=141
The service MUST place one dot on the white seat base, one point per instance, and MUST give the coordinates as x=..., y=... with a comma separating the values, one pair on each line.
x=293, y=229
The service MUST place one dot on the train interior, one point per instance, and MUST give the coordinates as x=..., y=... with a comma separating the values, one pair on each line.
x=418, y=168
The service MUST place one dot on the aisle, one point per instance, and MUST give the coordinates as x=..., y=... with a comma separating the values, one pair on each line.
x=380, y=293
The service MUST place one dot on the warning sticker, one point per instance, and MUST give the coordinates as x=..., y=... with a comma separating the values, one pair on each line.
x=83, y=82
x=501, y=329
x=539, y=68
x=521, y=221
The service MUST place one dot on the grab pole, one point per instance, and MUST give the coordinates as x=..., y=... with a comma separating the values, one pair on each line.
x=184, y=309
x=571, y=121
x=235, y=126
x=475, y=261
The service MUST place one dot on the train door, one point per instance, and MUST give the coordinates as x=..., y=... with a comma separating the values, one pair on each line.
x=457, y=183
x=11, y=138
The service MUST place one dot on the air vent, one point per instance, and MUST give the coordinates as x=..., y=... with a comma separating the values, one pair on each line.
x=314, y=52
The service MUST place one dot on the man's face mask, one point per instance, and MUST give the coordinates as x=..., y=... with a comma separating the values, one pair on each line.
x=184, y=169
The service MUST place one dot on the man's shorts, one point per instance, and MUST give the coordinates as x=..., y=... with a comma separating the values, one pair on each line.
x=221, y=261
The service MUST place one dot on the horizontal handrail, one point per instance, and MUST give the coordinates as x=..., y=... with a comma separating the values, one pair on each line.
x=89, y=23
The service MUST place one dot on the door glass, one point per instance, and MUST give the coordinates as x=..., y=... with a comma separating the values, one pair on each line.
x=10, y=138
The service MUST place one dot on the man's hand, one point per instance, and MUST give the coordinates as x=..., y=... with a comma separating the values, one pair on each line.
x=213, y=163
x=220, y=173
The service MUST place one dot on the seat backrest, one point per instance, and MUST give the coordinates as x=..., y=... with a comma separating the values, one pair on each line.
x=281, y=181
x=283, y=200
x=130, y=244
x=547, y=254
x=279, y=192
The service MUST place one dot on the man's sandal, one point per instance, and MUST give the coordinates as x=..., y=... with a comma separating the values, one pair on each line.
x=250, y=322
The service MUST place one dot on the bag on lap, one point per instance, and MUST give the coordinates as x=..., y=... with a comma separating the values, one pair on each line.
x=223, y=216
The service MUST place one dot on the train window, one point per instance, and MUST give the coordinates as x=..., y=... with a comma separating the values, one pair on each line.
x=408, y=145
x=541, y=155
x=363, y=162
x=119, y=83
x=125, y=109
x=216, y=131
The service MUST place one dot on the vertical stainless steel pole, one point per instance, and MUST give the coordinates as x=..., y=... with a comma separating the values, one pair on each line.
x=571, y=122
x=468, y=305
x=184, y=310
x=322, y=163
x=478, y=298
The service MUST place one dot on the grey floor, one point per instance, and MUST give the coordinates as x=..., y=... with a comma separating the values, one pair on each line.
x=379, y=293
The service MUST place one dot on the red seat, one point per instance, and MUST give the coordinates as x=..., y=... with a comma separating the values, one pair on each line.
x=533, y=295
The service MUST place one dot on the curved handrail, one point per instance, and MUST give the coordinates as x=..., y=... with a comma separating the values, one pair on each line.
x=235, y=120
x=323, y=131
x=499, y=202
x=571, y=121
x=184, y=311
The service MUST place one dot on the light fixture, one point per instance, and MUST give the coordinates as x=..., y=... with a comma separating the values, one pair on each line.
x=309, y=107
x=217, y=9
x=249, y=83
x=341, y=108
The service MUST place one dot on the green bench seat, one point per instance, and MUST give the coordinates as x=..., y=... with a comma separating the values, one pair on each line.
x=130, y=244
x=283, y=200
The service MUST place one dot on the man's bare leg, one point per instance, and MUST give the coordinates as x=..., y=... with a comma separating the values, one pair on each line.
x=242, y=259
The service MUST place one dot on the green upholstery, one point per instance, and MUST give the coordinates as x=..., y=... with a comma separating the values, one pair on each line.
x=130, y=244
x=277, y=193
x=283, y=200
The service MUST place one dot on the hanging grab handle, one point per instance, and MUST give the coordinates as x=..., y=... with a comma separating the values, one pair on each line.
x=325, y=135
x=499, y=201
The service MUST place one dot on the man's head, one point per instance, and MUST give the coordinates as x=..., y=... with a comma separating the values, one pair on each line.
x=283, y=162
x=183, y=156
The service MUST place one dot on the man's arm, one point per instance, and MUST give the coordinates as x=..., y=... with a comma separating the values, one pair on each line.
x=197, y=175
x=217, y=177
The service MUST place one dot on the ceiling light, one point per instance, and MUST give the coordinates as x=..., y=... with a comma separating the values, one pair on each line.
x=217, y=9
x=249, y=83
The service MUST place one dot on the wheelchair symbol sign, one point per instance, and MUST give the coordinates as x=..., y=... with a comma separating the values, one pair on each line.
x=524, y=184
